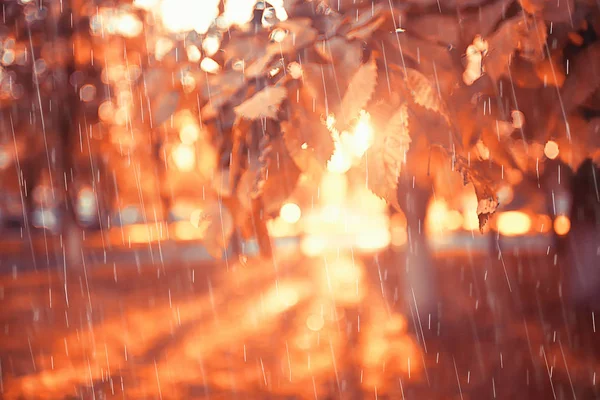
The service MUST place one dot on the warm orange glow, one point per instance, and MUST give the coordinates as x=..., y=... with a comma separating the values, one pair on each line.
x=454, y=220
x=349, y=146
x=106, y=111
x=339, y=161
x=290, y=213
x=193, y=53
x=188, y=15
x=375, y=234
x=189, y=133
x=315, y=322
x=562, y=225
x=209, y=65
x=551, y=149
x=334, y=188
x=211, y=44
x=197, y=217
x=436, y=216
x=363, y=135
x=142, y=233
x=184, y=230
x=543, y=224
x=398, y=229
x=129, y=25
x=184, y=157
x=312, y=246
x=513, y=223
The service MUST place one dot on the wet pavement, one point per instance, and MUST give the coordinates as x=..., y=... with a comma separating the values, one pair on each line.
x=330, y=327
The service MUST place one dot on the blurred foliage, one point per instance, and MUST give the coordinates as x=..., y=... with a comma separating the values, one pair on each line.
x=268, y=91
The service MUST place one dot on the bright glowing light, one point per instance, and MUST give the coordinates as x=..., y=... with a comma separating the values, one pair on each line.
x=295, y=70
x=163, y=46
x=279, y=299
x=183, y=230
x=189, y=133
x=184, y=157
x=129, y=25
x=454, y=220
x=145, y=4
x=551, y=149
x=375, y=238
x=349, y=147
x=333, y=189
x=290, y=213
x=141, y=233
x=363, y=135
x=86, y=203
x=513, y=223
x=211, y=45
x=193, y=53
x=238, y=12
x=278, y=35
x=436, y=216
x=340, y=162
x=342, y=279
x=209, y=65
x=562, y=225
x=189, y=15
x=312, y=246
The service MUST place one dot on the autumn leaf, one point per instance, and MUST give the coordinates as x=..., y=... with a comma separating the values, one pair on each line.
x=264, y=104
x=277, y=176
x=382, y=163
x=308, y=142
x=423, y=92
x=487, y=200
x=367, y=21
x=527, y=35
x=359, y=92
x=428, y=114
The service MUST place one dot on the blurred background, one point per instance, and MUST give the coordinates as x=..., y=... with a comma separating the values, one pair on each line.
x=125, y=271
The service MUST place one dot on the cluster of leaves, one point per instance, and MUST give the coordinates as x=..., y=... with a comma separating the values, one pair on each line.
x=441, y=82
x=281, y=84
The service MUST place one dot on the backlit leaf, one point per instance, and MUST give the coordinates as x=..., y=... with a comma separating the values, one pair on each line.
x=264, y=104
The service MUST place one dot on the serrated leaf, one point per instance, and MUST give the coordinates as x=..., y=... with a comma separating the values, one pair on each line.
x=382, y=163
x=277, y=176
x=308, y=142
x=264, y=104
x=363, y=25
x=424, y=93
x=435, y=127
x=428, y=114
x=518, y=33
x=359, y=92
